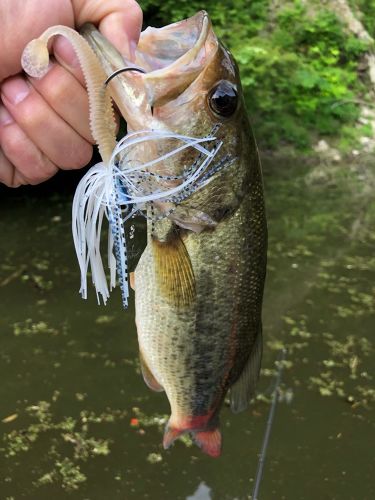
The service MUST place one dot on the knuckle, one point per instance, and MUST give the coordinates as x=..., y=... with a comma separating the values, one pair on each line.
x=12, y=144
x=55, y=87
x=54, y=91
x=26, y=115
x=84, y=155
x=79, y=156
x=40, y=168
x=6, y=171
x=27, y=159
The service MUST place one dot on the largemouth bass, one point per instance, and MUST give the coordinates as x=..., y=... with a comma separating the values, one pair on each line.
x=199, y=282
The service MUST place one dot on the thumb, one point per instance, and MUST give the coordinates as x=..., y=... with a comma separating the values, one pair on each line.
x=119, y=20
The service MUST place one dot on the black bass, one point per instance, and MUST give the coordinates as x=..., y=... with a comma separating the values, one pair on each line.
x=199, y=283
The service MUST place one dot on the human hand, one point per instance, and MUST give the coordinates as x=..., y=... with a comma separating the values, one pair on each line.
x=44, y=122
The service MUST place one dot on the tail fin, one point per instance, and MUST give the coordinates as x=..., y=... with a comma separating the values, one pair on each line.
x=170, y=436
x=209, y=441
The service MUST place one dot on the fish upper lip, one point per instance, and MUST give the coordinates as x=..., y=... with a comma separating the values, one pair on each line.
x=155, y=35
x=108, y=53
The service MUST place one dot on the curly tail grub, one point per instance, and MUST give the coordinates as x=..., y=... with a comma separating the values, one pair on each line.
x=35, y=61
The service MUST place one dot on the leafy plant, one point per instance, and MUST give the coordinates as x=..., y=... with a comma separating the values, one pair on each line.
x=298, y=64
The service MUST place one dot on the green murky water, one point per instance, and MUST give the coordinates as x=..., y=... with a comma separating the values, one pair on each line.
x=77, y=420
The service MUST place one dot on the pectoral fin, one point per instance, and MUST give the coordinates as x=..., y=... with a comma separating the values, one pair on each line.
x=174, y=271
x=148, y=377
x=243, y=389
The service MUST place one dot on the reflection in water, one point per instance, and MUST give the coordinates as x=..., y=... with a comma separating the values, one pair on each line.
x=203, y=492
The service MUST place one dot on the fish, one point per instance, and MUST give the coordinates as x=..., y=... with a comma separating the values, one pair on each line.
x=199, y=282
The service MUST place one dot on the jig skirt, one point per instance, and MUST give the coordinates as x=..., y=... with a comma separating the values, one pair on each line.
x=126, y=187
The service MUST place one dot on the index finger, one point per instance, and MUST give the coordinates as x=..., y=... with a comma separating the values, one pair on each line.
x=119, y=20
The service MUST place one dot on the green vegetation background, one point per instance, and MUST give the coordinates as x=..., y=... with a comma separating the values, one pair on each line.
x=303, y=74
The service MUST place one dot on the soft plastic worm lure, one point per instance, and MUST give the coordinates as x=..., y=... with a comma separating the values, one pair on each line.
x=35, y=61
x=114, y=183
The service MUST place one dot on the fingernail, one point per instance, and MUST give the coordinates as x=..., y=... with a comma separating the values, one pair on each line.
x=64, y=50
x=15, y=90
x=5, y=117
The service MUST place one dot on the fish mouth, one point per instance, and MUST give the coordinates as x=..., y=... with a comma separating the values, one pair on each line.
x=174, y=56
x=171, y=58
x=159, y=48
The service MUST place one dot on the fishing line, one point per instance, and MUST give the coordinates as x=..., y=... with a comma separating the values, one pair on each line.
x=271, y=416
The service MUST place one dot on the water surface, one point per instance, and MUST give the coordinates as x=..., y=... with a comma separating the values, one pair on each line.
x=78, y=420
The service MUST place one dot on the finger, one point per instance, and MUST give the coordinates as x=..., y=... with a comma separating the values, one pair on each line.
x=7, y=171
x=21, y=21
x=52, y=135
x=66, y=56
x=19, y=180
x=123, y=31
x=6, y=168
x=21, y=162
x=61, y=90
x=69, y=99
x=9, y=175
x=119, y=20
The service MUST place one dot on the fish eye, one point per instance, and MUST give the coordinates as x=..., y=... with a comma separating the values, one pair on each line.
x=223, y=99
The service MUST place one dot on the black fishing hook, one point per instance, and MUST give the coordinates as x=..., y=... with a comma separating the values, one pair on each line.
x=122, y=70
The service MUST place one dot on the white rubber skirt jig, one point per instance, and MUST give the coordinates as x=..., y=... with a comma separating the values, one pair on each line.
x=115, y=189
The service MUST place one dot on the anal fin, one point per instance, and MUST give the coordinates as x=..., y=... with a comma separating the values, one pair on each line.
x=243, y=389
x=148, y=377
